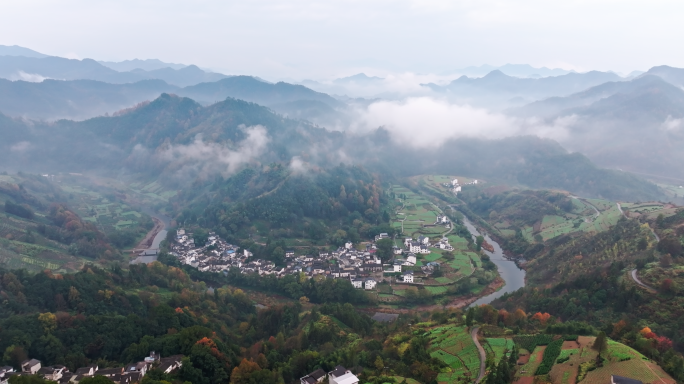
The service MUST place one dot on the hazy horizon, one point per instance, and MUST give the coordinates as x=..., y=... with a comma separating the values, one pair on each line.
x=299, y=40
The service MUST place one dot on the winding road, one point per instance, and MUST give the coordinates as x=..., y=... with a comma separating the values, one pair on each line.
x=483, y=357
x=633, y=273
x=639, y=282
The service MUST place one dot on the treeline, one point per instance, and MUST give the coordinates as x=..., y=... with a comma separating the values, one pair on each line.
x=114, y=317
x=330, y=206
x=19, y=210
x=82, y=237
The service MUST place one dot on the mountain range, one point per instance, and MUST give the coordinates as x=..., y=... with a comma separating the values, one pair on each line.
x=82, y=99
x=635, y=125
x=497, y=90
x=176, y=139
x=517, y=70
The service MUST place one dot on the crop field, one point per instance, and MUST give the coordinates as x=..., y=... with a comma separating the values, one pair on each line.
x=432, y=256
x=499, y=346
x=676, y=191
x=108, y=213
x=437, y=290
x=651, y=209
x=582, y=218
x=416, y=213
x=532, y=364
x=35, y=258
x=454, y=346
x=620, y=360
x=608, y=218
x=436, y=182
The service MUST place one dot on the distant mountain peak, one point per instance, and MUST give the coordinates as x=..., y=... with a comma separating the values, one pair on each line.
x=496, y=74
x=15, y=50
x=145, y=65
x=358, y=78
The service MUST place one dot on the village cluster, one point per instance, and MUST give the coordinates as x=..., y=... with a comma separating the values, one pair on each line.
x=362, y=267
x=456, y=187
x=133, y=373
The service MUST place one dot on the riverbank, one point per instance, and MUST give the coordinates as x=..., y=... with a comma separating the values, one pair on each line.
x=148, y=241
x=512, y=275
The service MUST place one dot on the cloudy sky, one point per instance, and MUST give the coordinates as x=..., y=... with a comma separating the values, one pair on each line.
x=299, y=39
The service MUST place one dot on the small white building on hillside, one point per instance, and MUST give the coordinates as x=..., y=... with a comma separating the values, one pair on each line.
x=341, y=375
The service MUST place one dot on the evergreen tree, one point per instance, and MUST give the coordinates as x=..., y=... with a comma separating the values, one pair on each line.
x=600, y=345
x=469, y=317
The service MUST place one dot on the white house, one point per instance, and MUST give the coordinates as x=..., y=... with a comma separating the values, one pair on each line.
x=397, y=251
x=424, y=240
x=414, y=247
x=397, y=265
x=410, y=259
x=408, y=241
x=370, y=284
x=357, y=283
x=408, y=277
x=341, y=375
x=454, y=182
x=442, y=219
x=314, y=377
x=424, y=250
x=30, y=366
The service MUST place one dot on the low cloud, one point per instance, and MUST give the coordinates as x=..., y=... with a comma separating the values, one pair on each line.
x=427, y=122
x=202, y=158
x=672, y=125
x=30, y=77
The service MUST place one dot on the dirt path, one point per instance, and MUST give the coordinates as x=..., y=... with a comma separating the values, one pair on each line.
x=483, y=357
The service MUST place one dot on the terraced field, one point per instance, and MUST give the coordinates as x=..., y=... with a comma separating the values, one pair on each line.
x=620, y=360
x=454, y=346
x=500, y=345
x=418, y=214
x=583, y=218
x=104, y=210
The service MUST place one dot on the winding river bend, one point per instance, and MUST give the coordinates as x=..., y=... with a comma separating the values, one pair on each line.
x=514, y=277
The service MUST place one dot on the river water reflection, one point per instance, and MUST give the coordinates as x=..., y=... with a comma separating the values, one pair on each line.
x=513, y=276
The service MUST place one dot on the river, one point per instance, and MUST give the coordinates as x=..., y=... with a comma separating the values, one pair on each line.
x=161, y=235
x=514, y=277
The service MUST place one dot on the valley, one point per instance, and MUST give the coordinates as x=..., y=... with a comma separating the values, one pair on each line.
x=169, y=225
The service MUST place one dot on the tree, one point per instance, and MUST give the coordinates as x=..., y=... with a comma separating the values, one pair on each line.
x=478, y=242
x=379, y=363
x=49, y=321
x=242, y=373
x=666, y=261
x=600, y=345
x=384, y=251
x=469, y=317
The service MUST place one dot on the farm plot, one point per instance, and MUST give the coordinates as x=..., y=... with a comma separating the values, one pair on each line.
x=454, y=346
x=436, y=290
x=529, y=369
x=499, y=347
x=418, y=214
